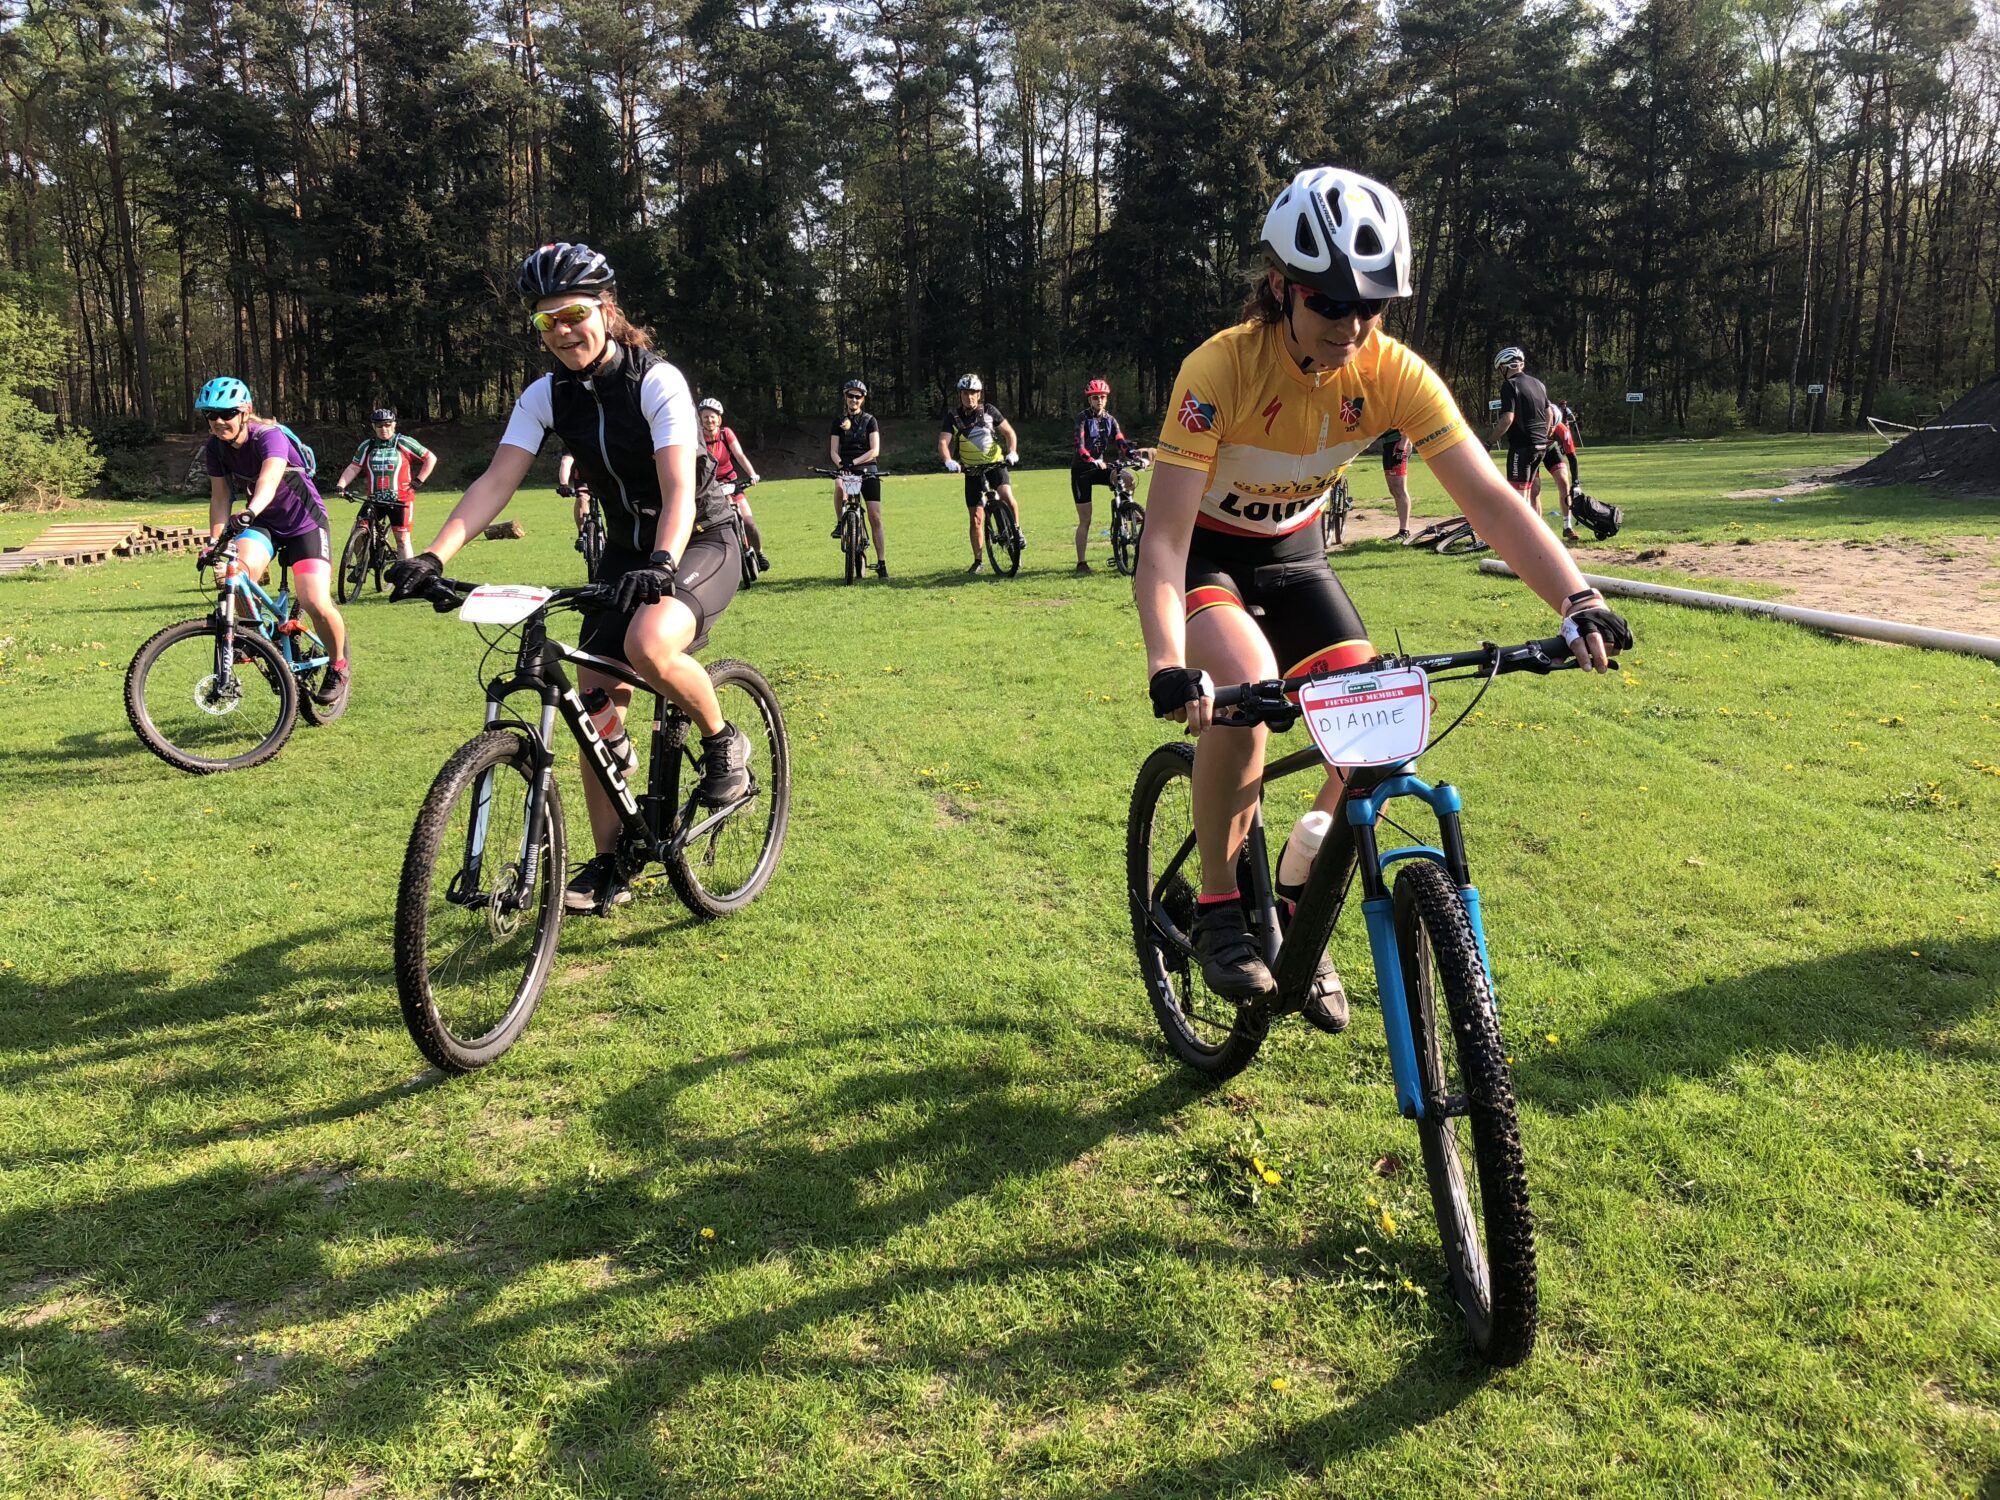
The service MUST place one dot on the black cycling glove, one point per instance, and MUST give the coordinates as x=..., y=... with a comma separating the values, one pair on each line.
x=412, y=577
x=642, y=586
x=1176, y=687
x=566, y=491
x=1607, y=622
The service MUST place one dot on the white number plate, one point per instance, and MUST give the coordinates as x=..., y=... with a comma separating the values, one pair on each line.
x=503, y=603
x=1369, y=718
x=850, y=484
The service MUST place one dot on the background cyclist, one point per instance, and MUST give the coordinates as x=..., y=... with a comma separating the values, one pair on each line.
x=853, y=445
x=1555, y=458
x=977, y=433
x=672, y=557
x=1396, y=472
x=1097, y=437
x=1523, y=424
x=734, y=469
x=260, y=458
x=1263, y=416
x=385, y=456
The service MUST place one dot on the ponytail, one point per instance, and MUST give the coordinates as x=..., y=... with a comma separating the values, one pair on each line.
x=623, y=331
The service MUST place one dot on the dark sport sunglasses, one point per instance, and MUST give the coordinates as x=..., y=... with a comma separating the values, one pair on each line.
x=218, y=413
x=1337, y=308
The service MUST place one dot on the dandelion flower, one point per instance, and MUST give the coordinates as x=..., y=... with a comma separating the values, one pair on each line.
x=1388, y=1222
x=1273, y=1178
x=707, y=1233
x=1279, y=1383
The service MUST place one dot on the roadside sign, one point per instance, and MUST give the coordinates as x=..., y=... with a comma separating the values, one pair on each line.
x=1816, y=389
x=1635, y=397
x=1494, y=404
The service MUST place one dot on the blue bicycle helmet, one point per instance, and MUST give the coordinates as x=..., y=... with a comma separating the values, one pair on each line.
x=224, y=393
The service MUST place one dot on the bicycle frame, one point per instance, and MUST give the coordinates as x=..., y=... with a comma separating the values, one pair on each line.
x=1351, y=847
x=656, y=822
x=273, y=615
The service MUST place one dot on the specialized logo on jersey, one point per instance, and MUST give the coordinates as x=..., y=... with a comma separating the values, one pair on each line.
x=1270, y=414
x=1350, y=411
x=1196, y=415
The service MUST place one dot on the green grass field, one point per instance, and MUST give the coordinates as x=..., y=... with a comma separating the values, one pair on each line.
x=888, y=1186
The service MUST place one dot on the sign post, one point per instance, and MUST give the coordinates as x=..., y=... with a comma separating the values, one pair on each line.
x=1633, y=400
x=1813, y=393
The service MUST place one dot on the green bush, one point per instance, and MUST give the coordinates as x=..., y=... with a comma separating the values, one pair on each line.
x=131, y=475
x=38, y=461
x=123, y=432
x=1712, y=413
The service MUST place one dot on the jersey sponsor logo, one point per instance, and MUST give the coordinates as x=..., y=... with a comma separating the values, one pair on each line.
x=1266, y=512
x=1431, y=437
x=1350, y=411
x=1270, y=415
x=1196, y=415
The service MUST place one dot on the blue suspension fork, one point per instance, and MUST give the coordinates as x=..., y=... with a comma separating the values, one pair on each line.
x=1363, y=810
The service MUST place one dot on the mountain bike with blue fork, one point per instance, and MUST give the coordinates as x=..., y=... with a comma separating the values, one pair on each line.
x=1426, y=934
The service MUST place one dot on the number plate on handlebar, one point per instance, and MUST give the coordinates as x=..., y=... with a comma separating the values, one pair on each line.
x=850, y=484
x=1368, y=718
x=503, y=603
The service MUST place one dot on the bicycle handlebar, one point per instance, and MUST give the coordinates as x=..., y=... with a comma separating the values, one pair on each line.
x=1269, y=700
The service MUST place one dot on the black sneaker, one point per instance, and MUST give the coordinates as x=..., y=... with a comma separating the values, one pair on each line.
x=838, y=528
x=881, y=570
x=596, y=887
x=1326, y=1006
x=333, y=685
x=763, y=562
x=977, y=564
x=1229, y=964
x=1084, y=567
x=725, y=767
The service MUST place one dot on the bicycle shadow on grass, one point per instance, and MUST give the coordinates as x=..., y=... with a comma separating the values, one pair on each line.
x=203, y=1303
x=1907, y=998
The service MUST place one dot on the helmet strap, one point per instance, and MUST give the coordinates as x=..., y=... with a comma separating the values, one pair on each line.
x=1306, y=360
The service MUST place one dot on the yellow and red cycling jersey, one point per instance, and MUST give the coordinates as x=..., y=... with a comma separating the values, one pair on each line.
x=1272, y=438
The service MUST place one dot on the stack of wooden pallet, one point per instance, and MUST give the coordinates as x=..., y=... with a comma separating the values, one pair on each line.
x=76, y=543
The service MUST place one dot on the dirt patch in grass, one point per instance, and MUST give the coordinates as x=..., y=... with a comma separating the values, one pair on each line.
x=1950, y=583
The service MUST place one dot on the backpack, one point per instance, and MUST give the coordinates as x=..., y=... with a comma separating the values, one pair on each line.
x=1603, y=520
x=308, y=460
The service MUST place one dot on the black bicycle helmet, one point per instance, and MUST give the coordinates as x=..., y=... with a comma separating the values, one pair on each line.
x=382, y=414
x=561, y=268
x=855, y=385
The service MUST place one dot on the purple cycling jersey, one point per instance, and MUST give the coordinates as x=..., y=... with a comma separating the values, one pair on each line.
x=297, y=507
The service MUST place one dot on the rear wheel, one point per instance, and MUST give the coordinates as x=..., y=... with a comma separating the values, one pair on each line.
x=1215, y=1036
x=475, y=938
x=306, y=644
x=357, y=559
x=724, y=867
x=200, y=713
x=1471, y=1139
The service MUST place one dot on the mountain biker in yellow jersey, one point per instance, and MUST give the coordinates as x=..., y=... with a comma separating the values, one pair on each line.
x=981, y=437
x=385, y=456
x=853, y=444
x=1261, y=419
x=283, y=515
x=672, y=559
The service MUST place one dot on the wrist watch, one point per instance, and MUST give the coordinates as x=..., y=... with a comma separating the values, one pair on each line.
x=662, y=559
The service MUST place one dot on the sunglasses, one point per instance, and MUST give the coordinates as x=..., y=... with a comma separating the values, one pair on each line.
x=219, y=414
x=854, y=395
x=563, y=317
x=1337, y=308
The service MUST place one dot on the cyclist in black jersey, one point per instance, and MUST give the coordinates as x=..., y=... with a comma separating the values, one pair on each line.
x=1396, y=474
x=1524, y=418
x=853, y=444
x=672, y=555
x=1261, y=419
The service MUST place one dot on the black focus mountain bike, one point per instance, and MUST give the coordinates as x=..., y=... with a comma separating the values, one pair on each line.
x=480, y=906
x=1128, y=517
x=1451, y=537
x=1003, y=535
x=851, y=528
x=590, y=533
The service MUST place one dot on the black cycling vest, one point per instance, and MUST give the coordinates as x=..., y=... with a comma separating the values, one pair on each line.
x=598, y=419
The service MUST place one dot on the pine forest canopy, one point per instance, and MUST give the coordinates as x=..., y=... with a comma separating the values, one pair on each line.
x=1718, y=202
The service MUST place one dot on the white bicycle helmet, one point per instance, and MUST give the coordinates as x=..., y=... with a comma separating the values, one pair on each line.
x=1507, y=356
x=710, y=404
x=970, y=383
x=1340, y=233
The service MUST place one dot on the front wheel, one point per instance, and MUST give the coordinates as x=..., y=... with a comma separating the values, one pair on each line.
x=476, y=926
x=1126, y=521
x=1213, y=1035
x=1461, y=542
x=357, y=560
x=1483, y=1217
x=734, y=850
x=1334, y=519
x=1003, y=541
x=202, y=708
x=592, y=538
x=852, y=546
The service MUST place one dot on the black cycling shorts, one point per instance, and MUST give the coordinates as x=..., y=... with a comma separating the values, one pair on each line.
x=975, y=484
x=1085, y=477
x=1395, y=458
x=398, y=510
x=1522, y=461
x=705, y=582
x=1305, y=614
x=1553, y=458
x=315, y=546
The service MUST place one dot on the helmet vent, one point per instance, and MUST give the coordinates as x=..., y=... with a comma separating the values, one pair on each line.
x=1305, y=241
x=1367, y=241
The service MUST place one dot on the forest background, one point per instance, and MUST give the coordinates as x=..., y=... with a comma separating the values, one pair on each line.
x=1721, y=203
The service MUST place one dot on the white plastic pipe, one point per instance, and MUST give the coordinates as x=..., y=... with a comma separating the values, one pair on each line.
x=1893, y=631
